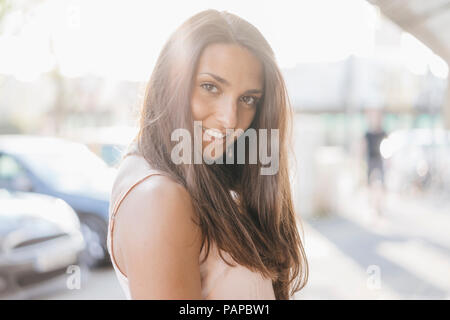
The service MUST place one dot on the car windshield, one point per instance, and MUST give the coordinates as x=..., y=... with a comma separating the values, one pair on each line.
x=71, y=169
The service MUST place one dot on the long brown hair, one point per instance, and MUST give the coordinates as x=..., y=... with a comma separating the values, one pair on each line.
x=248, y=215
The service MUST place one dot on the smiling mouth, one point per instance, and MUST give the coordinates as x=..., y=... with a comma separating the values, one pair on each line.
x=215, y=134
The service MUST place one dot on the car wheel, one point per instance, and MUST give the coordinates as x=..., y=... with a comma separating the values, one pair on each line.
x=94, y=232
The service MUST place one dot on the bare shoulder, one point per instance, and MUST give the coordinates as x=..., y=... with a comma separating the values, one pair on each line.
x=159, y=240
x=161, y=202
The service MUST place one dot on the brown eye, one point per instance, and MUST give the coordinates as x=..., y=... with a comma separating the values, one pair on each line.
x=250, y=100
x=209, y=87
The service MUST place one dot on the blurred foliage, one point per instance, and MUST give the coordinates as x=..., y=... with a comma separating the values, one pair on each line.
x=9, y=6
x=5, y=6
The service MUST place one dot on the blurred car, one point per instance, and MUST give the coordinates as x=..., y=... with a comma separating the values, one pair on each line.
x=418, y=158
x=65, y=170
x=40, y=237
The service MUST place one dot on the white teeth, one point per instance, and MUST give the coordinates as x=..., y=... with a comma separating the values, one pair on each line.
x=214, y=133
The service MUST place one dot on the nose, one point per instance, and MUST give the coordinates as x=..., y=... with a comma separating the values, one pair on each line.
x=227, y=115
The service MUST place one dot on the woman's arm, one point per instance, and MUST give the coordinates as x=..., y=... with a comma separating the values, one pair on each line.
x=159, y=242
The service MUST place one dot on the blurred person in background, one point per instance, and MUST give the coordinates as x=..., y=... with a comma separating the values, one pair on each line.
x=374, y=160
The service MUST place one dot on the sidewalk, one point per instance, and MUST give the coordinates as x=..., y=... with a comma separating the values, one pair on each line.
x=333, y=273
x=407, y=250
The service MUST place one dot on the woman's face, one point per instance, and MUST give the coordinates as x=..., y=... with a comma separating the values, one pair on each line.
x=228, y=85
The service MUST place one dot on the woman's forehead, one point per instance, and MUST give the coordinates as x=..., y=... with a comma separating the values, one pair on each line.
x=231, y=62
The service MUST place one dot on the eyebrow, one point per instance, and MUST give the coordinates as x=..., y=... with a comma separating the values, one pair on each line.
x=226, y=82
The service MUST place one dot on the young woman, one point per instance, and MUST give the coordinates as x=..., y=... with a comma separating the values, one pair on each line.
x=187, y=230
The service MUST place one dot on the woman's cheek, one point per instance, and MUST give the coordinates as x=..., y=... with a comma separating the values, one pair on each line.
x=202, y=107
x=247, y=117
x=197, y=107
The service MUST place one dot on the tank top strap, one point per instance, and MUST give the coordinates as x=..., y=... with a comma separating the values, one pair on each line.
x=133, y=170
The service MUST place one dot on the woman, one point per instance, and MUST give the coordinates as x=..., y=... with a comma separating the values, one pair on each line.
x=185, y=230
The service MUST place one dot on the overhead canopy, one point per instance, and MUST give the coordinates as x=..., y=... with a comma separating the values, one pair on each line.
x=427, y=20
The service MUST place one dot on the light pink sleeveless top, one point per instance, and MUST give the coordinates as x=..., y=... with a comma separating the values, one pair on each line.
x=218, y=280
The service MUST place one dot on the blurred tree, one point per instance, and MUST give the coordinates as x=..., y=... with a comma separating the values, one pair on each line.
x=13, y=25
x=5, y=6
x=20, y=7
